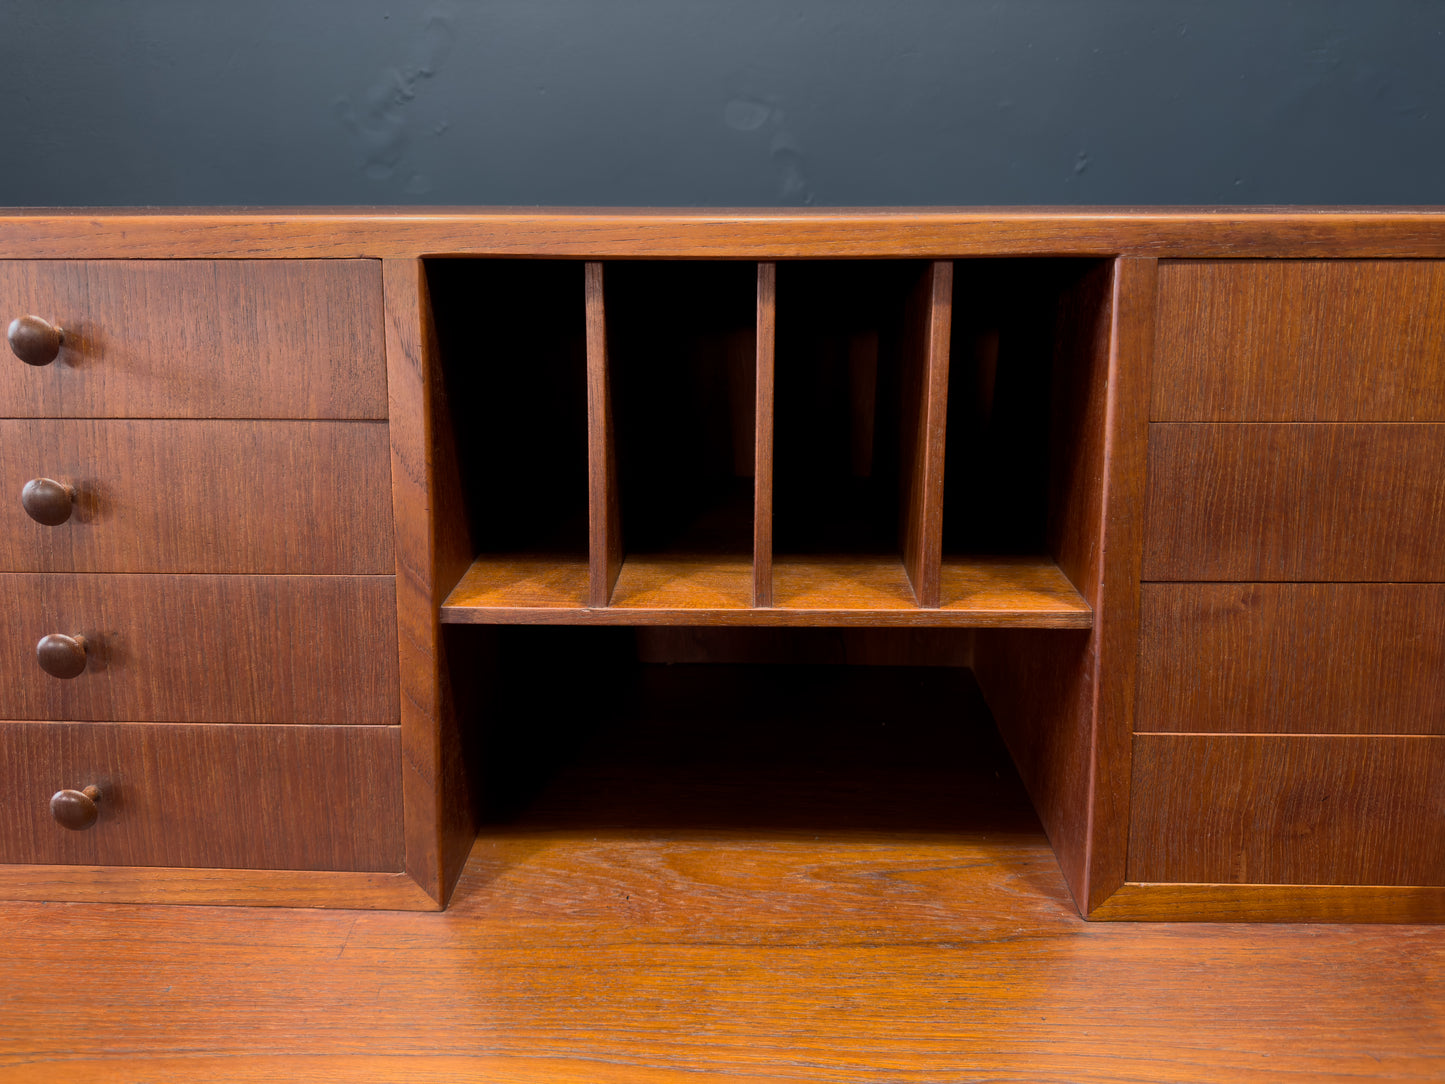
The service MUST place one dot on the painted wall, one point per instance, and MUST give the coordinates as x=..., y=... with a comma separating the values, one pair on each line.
x=722, y=102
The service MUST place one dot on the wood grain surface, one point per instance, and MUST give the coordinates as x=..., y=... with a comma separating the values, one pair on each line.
x=803, y=939
x=767, y=332
x=841, y=590
x=1297, y=809
x=178, y=339
x=204, y=886
x=1316, y=340
x=753, y=233
x=923, y=421
x=287, y=797
x=203, y=649
x=1144, y=902
x=200, y=496
x=433, y=551
x=1297, y=658
x=1280, y=501
x=603, y=502
x=683, y=582
x=1065, y=702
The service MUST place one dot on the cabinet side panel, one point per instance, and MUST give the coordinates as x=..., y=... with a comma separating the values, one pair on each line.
x=433, y=551
x=1064, y=701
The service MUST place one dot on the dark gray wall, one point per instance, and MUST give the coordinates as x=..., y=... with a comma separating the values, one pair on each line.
x=743, y=102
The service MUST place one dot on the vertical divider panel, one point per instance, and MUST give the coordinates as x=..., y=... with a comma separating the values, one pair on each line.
x=433, y=550
x=604, y=547
x=763, y=437
x=925, y=415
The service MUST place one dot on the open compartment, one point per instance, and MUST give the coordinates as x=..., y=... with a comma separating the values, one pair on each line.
x=857, y=432
x=1020, y=341
x=511, y=343
x=740, y=738
x=673, y=386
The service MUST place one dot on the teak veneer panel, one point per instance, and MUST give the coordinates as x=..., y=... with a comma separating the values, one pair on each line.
x=1277, y=501
x=213, y=339
x=997, y=592
x=1064, y=702
x=764, y=394
x=204, y=649
x=753, y=233
x=1316, y=340
x=682, y=582
x=604, y=514
x=200, y=496
x=276, y=797
x=924, y=363
x=1298, y=809
x=1297, y=658
x=196, y=885
x=433, y=551
x=1163, y=902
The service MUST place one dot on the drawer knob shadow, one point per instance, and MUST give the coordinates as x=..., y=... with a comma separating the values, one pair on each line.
x=35, y=341
x=60, y=655
x=76, y=810
x=47, y=501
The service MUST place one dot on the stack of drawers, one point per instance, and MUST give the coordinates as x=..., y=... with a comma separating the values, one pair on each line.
x=1290, y=719
x=214, y=567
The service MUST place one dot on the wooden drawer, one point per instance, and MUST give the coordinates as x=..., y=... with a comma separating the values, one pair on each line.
x=204, y=649
x=1275, y=809
x=199, y=339
x=1292, y=658
x=277, y=797
x=200, y=496
x=1252, y=502
x=1300, y=340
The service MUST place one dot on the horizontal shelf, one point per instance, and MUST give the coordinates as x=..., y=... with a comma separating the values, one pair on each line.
x=977, y=592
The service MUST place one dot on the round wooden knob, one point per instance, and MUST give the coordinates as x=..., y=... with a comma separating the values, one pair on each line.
x=61, y=656
x=75, y=809
x=35, y=341
x=47, y=501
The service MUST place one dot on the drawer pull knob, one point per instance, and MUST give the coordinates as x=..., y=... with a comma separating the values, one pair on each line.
x=47, y=501
x=75, y=809
x=35, y=341
x=61, y=656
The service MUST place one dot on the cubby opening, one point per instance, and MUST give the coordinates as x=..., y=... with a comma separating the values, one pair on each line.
x=748, y=733
x=843, y=442
x=681, y=358
x=1018, y=366
x=839, y=498
x=511, y=347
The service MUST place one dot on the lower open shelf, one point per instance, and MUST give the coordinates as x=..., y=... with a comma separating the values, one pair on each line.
x=756, y=751
x=977, y=592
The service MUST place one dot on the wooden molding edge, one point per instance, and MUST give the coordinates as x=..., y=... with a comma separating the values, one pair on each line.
x=757, y=233
x=1138, y=901
x=229, y=887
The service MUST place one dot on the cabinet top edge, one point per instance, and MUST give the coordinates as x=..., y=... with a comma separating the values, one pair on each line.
x=736, y=233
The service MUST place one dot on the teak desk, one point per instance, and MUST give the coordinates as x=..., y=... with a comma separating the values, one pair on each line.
x=1178, y=476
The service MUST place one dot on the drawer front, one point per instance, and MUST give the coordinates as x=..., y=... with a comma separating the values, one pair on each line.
x=1295, y=502
x=1274, y=809
x=278, y=797
x=1300, y=340
x=203, y=649
x=1292, y=658
x=198, y=339
x=200, y=496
